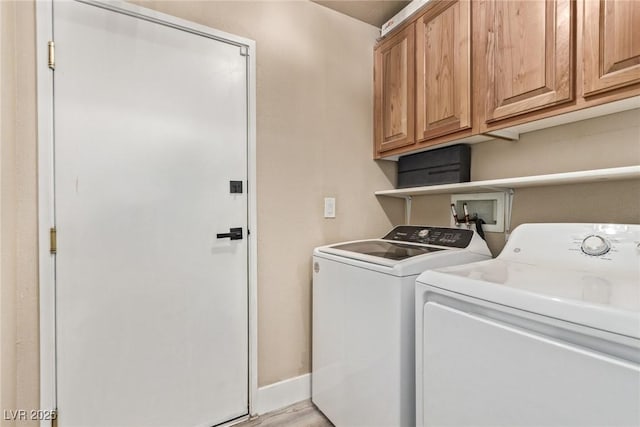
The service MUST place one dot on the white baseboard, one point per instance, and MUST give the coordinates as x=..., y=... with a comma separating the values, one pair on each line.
x=282, y=394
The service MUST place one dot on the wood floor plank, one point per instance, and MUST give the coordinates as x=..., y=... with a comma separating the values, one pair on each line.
x=301, y=414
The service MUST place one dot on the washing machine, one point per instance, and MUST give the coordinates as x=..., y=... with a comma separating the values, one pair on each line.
x=546, y=334
x=363, y=359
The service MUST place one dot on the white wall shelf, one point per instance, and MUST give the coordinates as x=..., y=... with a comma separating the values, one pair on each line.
x=506, y=184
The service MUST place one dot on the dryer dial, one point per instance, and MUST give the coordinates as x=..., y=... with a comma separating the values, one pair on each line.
x=595, y=245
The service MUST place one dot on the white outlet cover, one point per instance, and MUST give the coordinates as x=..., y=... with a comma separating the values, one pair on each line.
x=329, y=207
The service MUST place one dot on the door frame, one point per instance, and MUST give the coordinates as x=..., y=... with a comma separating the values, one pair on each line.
x=46, y=200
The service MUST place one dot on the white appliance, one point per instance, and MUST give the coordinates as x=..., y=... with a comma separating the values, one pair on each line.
x=363, y=320
x=547, y=334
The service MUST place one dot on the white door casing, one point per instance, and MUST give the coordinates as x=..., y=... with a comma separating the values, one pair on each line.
x=146, y=114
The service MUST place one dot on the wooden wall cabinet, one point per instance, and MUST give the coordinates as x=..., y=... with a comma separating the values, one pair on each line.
x=611, y=45
x=443, y=71
x=529, y=56
x=394, y=92
x=468, y=71
x=545, y=58
x=422, y=80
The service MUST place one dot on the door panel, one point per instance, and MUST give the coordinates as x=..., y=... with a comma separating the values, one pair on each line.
x=611, y=45
x=529, y=56
x=150, y=127
x=394, y=76
x=443, y=71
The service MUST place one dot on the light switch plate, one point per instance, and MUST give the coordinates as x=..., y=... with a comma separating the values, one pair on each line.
x=329, y=207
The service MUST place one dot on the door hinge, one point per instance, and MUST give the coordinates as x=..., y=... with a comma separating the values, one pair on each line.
x=54, y=418
x=244, y=50
x=53, y=244
x=52, y=55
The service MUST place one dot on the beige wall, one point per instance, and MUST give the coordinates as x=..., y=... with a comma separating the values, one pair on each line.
x=7, y=210
x=603, y=142
x=19, y=373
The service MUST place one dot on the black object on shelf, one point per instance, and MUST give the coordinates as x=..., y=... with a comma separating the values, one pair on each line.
x=446, y=165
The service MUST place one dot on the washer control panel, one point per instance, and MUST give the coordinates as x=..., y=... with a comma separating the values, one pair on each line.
x=451, y=237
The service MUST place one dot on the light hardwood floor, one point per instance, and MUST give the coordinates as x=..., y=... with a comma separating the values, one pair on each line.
x=301, y=414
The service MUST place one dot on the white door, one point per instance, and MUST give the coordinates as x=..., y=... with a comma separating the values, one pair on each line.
x=151, y=307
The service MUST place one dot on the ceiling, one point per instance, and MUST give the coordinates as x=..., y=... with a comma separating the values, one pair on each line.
x=374, y=12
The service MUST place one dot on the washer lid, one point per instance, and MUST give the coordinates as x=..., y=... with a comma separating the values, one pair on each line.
x=608, y=302
x=385, y=249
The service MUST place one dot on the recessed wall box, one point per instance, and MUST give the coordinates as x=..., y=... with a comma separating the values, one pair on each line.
x=488, y=206
x=446, y=165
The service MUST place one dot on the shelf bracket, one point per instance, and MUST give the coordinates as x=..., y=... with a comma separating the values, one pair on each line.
x=407, y=209
x=507, y=212
x=503, y=134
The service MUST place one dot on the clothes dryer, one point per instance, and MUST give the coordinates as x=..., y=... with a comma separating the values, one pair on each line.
x=546, y=334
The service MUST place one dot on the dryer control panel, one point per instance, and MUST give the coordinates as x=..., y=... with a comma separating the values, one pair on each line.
x=450, y=237
x=599, y=248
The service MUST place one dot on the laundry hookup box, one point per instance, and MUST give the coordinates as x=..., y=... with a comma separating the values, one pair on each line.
x=446, y=165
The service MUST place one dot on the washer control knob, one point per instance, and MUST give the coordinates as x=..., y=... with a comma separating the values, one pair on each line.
x=595, y=245
x=423, y=233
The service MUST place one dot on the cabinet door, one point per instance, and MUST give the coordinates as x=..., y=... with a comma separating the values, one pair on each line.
x=611, y=44
x=394, y=81
x=529, y=54
x=443, y=73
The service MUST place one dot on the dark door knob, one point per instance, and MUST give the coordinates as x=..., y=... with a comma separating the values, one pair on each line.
x=233, y=234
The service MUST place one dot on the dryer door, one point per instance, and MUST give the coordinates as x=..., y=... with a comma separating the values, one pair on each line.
x=482, y=372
